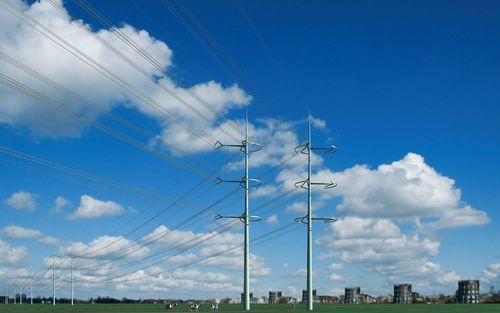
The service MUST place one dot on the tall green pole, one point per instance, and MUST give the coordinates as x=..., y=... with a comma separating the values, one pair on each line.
x=246, y=274
x=309, y=221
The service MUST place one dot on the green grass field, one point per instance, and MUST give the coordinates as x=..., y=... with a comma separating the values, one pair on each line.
x=262, y=308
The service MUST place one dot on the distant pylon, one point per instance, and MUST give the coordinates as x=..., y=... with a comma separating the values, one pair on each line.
x=71, y=275
x=245, y=182
x=53, y=281
x=308, y=219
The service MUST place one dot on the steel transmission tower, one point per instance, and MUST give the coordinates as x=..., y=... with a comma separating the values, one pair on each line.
x=308, y=219
x=245, y=182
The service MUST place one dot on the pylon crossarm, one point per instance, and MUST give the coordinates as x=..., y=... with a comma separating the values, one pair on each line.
x=251, y=218
x=302, y=219
x=252, y=182
x=218, y=145
x=252, y=146
x=325, y=219
x=218, y=216
x=219, y=180
x=329, y=150
x=329, y=185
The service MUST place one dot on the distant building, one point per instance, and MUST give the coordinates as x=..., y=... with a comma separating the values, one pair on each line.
x=262, y=300
x=225, y=300
x=385, y=299
x=352, y=295
x=252, y=299
x=418, y=298
x=403, y=294
x=274, y=297
x=287, y=300
x=304, y=296
x=235, y=301
x=326, y=299
x=367, y=299
x=468, y=291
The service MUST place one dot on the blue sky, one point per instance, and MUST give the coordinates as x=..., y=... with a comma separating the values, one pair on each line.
x=407, y=91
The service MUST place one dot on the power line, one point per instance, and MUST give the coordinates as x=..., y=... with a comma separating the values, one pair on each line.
x=66, y=169
x=24, y=89
x=198, y=261
x=184, y=243
x=64, y=44
x=169, y=231
x=149, y=58
x=231, y=193
x=225, y=61
x=268, y=50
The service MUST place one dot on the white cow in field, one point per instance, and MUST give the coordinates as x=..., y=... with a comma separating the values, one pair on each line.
x=194, y=306
x=170, y=306
x=214, y=307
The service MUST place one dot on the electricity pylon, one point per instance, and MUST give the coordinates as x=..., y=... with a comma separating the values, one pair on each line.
x=308, y=219
x=53, y=281
x=245, y=182
x=71, y=275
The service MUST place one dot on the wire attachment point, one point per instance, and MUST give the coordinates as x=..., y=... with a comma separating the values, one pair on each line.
x=251, y=218
x=217, y=145
x=252, y=146
x=302, y=149
x=332, y=184
x=302, y=219
x=331, y=149
x=302, y=184
x=252, y=182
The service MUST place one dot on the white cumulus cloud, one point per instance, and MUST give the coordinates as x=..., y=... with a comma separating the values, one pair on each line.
x=59, y=204
x=12, y=255
x=379, y=245
x=93, y=208
x=407, y=189
x=49, y=240
x=273, y=219
x=22, y=200
x=336, y=277
x=14, y=231
x=156, y=93
x=336, y=266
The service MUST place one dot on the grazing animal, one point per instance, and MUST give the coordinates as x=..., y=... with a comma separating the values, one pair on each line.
x=194, y=306
x=170, y=306
x=214, y=307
